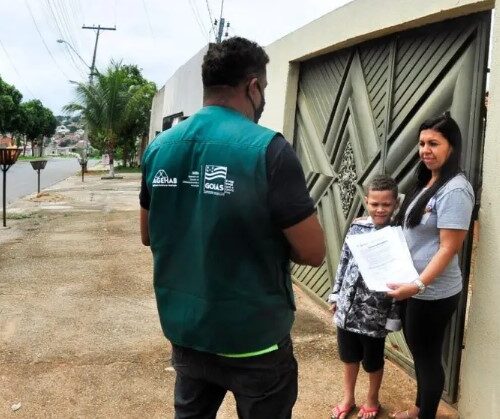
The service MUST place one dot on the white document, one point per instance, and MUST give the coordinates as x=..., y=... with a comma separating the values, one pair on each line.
x=383, y=257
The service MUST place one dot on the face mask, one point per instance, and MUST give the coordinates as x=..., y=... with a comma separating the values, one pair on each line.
x=257, y=111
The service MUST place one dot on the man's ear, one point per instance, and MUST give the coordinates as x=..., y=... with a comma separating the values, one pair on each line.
x=253, y=86
x=366, y=200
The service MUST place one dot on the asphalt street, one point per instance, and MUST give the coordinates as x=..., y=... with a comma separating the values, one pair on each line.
x=22, y=179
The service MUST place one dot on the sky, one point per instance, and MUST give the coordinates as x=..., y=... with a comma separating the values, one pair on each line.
x=156, y=35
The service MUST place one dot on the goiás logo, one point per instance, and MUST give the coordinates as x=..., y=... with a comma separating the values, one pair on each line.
x=215, y=179
x=161, y=179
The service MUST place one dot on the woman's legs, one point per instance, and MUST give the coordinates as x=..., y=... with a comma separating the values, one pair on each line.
x=425, y=325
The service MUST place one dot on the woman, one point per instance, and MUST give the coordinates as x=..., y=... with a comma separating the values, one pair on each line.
x=435, y=217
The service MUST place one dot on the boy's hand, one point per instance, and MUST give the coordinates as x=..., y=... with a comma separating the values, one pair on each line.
x=333, y=307
x=402, y=291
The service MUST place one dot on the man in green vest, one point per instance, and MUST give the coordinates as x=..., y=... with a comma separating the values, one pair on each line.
x=224, y=207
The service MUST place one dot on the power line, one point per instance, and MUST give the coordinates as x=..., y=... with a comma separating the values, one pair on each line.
x=68, y=24
x=148, y=19
x=62, y=35
x=200, y=24
x=43, y=40
x=212, y=21
x=16, y=70
x=209, y=13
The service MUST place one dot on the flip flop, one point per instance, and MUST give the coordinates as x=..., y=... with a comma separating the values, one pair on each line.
x=367, y=410
x=338, y=411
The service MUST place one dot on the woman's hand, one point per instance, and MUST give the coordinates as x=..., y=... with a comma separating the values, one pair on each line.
x=333, y=308
x=402, y=291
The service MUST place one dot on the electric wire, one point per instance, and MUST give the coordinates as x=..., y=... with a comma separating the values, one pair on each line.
x=149, y=20
x=54, y=19
x=200, y=25
x=212, y=21
x=16, y=70
x=43, y=41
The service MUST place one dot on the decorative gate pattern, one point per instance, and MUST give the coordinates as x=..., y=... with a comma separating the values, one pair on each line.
x=358, y=113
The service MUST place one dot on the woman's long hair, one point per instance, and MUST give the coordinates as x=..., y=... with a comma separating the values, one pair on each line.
x=449, y=129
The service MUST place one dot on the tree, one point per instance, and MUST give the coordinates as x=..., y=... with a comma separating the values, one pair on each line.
x=108, y=107
x=40, y=122
x=137, y=113
x=10, y=110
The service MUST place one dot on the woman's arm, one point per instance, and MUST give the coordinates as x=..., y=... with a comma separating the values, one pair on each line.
x=450, y=242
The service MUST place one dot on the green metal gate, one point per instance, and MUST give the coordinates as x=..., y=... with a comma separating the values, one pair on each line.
x=358, y=113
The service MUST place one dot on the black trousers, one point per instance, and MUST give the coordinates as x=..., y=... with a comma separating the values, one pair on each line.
x=424, y=325
x=264, y=386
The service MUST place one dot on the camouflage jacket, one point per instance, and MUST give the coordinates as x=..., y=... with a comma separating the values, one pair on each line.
x=359, y=309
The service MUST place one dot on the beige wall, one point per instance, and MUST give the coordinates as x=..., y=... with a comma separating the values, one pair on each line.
x=155, y=122
x=480, y=375
x=183, y=92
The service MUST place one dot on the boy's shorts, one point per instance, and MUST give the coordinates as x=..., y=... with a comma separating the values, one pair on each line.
x=355, y=347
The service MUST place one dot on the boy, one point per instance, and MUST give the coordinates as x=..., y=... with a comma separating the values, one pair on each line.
x=363, y=317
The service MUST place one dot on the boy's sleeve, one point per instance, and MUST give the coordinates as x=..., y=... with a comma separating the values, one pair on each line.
x=339, y=277
x=393, y=322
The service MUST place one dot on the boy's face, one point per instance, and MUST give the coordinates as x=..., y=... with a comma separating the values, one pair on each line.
x=381, y=205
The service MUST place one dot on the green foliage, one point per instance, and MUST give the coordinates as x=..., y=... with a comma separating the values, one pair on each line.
x=40, y=121
x=11, y=117
x=116, y=108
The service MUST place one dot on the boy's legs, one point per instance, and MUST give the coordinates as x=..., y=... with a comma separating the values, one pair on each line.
x=350, y=376
x=373, y=364
x=351, y=353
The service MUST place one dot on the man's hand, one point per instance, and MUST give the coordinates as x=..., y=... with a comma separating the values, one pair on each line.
x=306, y=241
x=144, y=225
x=402, y=291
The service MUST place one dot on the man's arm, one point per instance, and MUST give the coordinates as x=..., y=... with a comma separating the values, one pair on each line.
x=144, y=226
x=291, y=206
x=144, y=200
x=307, y=241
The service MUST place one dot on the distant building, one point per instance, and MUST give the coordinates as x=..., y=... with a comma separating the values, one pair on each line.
x=61, y=129
x=6, y=141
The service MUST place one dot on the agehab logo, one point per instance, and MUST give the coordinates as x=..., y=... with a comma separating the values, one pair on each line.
x=161, y=179
x=214, y=181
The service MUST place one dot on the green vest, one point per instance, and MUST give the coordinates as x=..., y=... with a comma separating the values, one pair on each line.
x=221, y=267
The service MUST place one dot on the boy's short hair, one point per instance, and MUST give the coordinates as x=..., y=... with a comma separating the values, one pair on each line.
x=383, y=183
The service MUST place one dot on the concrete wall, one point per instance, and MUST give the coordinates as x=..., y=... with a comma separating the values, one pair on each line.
x=183, y=92
x=155, y=122
x=480, y=375
x=360, y=21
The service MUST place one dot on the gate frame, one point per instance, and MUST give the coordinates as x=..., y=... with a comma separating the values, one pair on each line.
x=457, y=324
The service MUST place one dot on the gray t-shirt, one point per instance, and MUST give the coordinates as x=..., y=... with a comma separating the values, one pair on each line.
x=450, y=208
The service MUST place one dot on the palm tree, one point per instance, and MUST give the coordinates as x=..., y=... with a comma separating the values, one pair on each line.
x=103, y=106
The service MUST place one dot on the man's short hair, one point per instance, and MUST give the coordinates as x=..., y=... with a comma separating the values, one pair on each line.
x=383, y=183
x=232, y=61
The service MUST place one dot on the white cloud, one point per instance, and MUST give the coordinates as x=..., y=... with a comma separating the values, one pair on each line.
x=159, y=45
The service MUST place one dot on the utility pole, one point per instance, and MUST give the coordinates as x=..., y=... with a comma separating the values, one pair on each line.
x=222, y=23
x=98, y=28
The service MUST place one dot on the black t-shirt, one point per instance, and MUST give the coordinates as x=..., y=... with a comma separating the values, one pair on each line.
x=288, y=198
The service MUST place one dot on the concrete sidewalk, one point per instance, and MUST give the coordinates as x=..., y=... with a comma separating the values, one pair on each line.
x=79, y=331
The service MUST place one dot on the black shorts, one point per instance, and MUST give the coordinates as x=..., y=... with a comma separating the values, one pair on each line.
x=355, y=347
